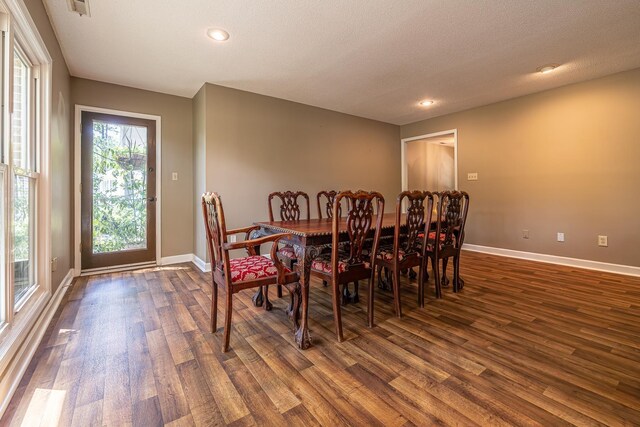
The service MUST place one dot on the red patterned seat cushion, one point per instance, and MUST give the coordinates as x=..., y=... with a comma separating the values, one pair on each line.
x=323, y=263
x=251, y=268
x=386, y=253
x=432, y=238
x=287, y=251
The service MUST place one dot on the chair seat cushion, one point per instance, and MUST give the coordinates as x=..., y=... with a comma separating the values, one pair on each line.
x=385, y=252
x=287, y=251
x=323, y=263
x=431, y=239
x=252, y=268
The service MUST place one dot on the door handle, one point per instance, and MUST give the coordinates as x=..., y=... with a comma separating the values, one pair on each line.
x=152, y=199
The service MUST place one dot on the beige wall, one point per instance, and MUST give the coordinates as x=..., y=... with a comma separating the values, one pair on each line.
x=257, y=144
x=177, y=154
x=199, y=168
x=564, y=160
x=61, y=147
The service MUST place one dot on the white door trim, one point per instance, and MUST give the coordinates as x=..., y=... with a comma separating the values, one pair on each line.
x=77, y=129
x=403, y=144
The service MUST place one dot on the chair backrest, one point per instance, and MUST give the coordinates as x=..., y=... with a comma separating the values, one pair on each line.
x=289, y=205
x=452, y=216
x=359, y=220
x=326, y=205
x=215, y=227
x=417, y=221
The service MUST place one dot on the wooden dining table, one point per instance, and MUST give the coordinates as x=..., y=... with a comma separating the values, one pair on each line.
x=308, y=238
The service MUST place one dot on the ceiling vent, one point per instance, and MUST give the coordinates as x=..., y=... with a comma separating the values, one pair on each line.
x=80, y=7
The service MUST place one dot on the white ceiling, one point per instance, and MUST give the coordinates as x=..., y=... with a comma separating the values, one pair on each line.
x=370, y=58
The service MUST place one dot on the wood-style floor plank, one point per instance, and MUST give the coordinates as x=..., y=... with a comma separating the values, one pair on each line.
x=523, y=344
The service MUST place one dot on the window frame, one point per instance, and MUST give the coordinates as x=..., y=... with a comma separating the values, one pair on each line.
x=19, y=319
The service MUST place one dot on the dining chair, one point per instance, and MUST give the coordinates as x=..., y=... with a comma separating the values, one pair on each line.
x=289, y=210
x=409, y=242
x=446, y=240
x=247, y=272
x=325, y=200
x=349, y=263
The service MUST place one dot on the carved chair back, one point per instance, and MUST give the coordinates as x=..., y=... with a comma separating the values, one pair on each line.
x=216, y=230
x=289, y=206
x=452, y=216
x=365, y=208
x=325, y=203
x=419, y=205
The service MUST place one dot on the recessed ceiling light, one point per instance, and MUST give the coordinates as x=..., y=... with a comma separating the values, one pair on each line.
x=547, y=68
x=425, y=103
x=217, y=34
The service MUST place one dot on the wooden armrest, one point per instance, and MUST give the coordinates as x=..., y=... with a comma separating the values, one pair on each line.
x=256, y=242
x=243, y=230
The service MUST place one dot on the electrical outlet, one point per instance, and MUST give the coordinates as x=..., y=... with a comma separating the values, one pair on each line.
x=560, y=237
x=174, y=176
x=472, y=176
x=54, y=264
x=525, y=234
x=232, y=238
x=603, y=241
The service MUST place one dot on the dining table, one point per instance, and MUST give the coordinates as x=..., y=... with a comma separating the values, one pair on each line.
x=309, y=237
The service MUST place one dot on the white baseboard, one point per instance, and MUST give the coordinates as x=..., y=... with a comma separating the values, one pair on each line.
x=203, y=266
x=628, y=270
x=16, y=369
x=176, y=259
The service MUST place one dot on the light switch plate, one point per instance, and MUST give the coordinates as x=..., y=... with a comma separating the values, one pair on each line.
x=560, y=237
x=603, y=241
x=472, y=176
x=174, y=176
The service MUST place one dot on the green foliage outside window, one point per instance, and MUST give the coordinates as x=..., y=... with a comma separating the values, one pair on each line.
x=119, y=187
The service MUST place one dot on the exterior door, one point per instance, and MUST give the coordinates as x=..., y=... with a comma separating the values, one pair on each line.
x=118, y=187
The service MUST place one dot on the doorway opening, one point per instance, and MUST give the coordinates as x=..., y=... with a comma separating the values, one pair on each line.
x=430, y=162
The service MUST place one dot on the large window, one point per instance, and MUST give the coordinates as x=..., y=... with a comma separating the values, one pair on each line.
x=25, y=68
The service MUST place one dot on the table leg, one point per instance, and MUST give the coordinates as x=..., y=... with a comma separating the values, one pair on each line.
x=258, y=297
x=305, y=256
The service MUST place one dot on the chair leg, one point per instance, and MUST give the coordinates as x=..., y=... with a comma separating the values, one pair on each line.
x=436, y=276
x=445, y=280
x=227, y=322
x=267, y=304
x=279, y=291
x=456, y=273
x=337, y=315
x=421, y=270
x=370, y=300
x=346, y=295
x=214, y=308
x=356, y=294
x=412, y=274
x=396, y=292
x=381, y=284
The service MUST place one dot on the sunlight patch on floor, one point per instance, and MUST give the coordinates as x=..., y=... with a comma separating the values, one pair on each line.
x=45, y=408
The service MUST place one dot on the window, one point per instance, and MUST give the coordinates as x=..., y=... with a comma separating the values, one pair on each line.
x=25, y=75
x=24, y=175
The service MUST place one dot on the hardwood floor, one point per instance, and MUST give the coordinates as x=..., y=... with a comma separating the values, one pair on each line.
x=523, y=344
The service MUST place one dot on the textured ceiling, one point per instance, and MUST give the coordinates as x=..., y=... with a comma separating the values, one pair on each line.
x=370, y=58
